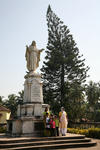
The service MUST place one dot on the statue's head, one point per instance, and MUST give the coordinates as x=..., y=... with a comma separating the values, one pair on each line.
x=33, y=43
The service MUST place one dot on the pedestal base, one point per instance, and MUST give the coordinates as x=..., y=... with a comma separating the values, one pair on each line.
x=30, y=111
x=27, y=126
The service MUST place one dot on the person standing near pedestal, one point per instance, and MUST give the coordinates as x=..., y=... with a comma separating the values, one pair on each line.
x=63, y=121
x=52, y=125
x=47, y=124
x=57, y=125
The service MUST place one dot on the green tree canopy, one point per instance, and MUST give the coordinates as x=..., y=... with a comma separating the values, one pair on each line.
x=1, y=99
x=62, y=64
x=93, y=99
x=12, y=102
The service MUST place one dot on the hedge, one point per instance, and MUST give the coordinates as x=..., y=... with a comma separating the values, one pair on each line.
x=3, y=129
x=91, y=132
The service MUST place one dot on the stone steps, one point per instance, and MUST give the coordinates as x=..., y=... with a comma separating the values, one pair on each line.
x=46, y=143
x=53, y=146
x=20, y=139
x=43, y=143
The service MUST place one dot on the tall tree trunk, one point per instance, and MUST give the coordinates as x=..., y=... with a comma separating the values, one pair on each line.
x=62, y=85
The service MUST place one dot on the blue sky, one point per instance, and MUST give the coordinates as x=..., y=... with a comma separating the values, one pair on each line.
x=22, y=21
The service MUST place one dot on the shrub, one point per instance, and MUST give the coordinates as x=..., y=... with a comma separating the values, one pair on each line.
x=94, y=132
x=2, y=129
x=91, y=132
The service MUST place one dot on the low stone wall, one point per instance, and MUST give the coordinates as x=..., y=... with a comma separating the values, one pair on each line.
x=84, y=125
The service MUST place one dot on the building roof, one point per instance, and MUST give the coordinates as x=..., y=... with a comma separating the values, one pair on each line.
x=3, y=108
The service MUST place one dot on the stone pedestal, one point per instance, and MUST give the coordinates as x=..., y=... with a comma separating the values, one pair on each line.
x=27, y=126
x=30, y=109
x=29, y=120
x=33, y=88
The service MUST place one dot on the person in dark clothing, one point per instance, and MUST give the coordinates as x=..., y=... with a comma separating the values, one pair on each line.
x=52, y=126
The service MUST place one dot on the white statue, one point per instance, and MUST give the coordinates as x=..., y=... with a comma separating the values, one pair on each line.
x=32, y=56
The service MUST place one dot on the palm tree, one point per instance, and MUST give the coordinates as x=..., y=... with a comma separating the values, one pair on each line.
x=1, y=99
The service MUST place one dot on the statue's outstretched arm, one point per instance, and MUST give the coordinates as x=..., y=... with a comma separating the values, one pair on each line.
x=27, y=52
x=41, y=50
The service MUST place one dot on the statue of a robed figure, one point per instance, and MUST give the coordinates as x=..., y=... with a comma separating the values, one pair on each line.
x=32, y=57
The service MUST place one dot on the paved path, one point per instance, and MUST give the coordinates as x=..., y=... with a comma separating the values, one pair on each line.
x=4, y=137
